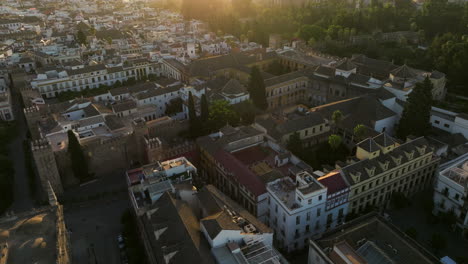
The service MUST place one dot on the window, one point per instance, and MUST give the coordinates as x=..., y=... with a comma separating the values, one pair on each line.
x=308, y=216
x=309, y=201
x=446, y=125
x=320, y=197
x=318, y=211
x=437, y=121
x=298, y=219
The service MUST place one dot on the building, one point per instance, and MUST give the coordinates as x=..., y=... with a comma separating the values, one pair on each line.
x=399, y=80
x=450, y=121
x=235, y=236
x=176, y=170
x=230, y=90
x=241, y=161
x=311, y=127
x=36, y=236
x=6, y=110
x=286, y=89
x=305, y=208
x=52, y=82
x=233, y=65
x=385, y=167
x=171, y=233
x=451, y=191
x=369, y=239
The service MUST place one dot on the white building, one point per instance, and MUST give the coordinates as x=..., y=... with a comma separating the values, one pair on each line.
x=51, y=83
x=450, y=121
x=451, y=191
x=6, y=110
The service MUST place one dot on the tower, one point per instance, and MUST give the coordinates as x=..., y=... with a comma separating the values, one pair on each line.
x=46, y=166
x=33, y=117
x=140, y=129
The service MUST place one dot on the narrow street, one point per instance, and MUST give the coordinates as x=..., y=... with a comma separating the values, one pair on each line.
x=23, y=200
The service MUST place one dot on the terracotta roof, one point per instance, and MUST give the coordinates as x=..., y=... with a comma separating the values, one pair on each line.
x=334, y=182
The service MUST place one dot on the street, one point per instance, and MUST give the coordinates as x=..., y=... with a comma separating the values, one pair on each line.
x=23, y=200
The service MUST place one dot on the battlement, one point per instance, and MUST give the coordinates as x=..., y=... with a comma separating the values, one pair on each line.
x=30, y=110
x=153, y=143
x=40, y=144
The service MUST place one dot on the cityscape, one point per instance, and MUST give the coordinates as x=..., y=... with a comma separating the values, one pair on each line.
x=233, y=131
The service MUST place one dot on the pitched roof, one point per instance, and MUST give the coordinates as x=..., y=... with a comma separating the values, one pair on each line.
x=346, y=65
x=368, y=145
x=364, y=110
x=384, y=140
x=334, y=182
x=399, y=151
x=233, y=87
x=123, y=106
x=172, y=231
x=404, y=72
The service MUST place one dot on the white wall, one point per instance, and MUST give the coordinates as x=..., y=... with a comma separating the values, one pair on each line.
x=387, y=123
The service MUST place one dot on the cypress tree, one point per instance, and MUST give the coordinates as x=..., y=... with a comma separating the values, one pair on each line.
x=257, y=89
x=81, y=37
x=192, y=114
x=205, y=112
x=415, y=119
x=78, y=160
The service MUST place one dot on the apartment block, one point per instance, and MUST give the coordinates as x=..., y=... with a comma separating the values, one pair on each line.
x=451, y=191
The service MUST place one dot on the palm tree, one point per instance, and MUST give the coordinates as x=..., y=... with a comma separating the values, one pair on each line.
x=334, y=141
x=359, y=132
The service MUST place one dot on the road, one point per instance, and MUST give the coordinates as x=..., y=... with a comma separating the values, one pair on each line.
x=23, y=200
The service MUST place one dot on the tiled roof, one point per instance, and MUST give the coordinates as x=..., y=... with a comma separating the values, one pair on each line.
x=404, y=72
x=368, y=145
x=123, y=106
x=284, y=78
x=241, y=172
x=346, y=65
x=399, y=151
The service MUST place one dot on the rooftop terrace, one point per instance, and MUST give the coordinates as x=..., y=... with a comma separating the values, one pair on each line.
x=458, y=173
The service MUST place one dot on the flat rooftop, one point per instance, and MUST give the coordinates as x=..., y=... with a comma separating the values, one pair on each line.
x=458, y=173
x=285, y=190
x=384, y=241
x=31, y=238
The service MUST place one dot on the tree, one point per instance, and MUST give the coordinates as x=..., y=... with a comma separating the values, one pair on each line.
x=174, y=106
x=337, y=116
x=246, y=111
x=221, y=114
x=257, y=89
x=438, y=242
x=359, y=132
x=307, y=32
x=205, y=111
x=81, y=37
x=412, y=232
x=92, y=31
x=78, y=160
x=417, y=111
x=295, y=144
x=334, y=141
x=193, y=119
